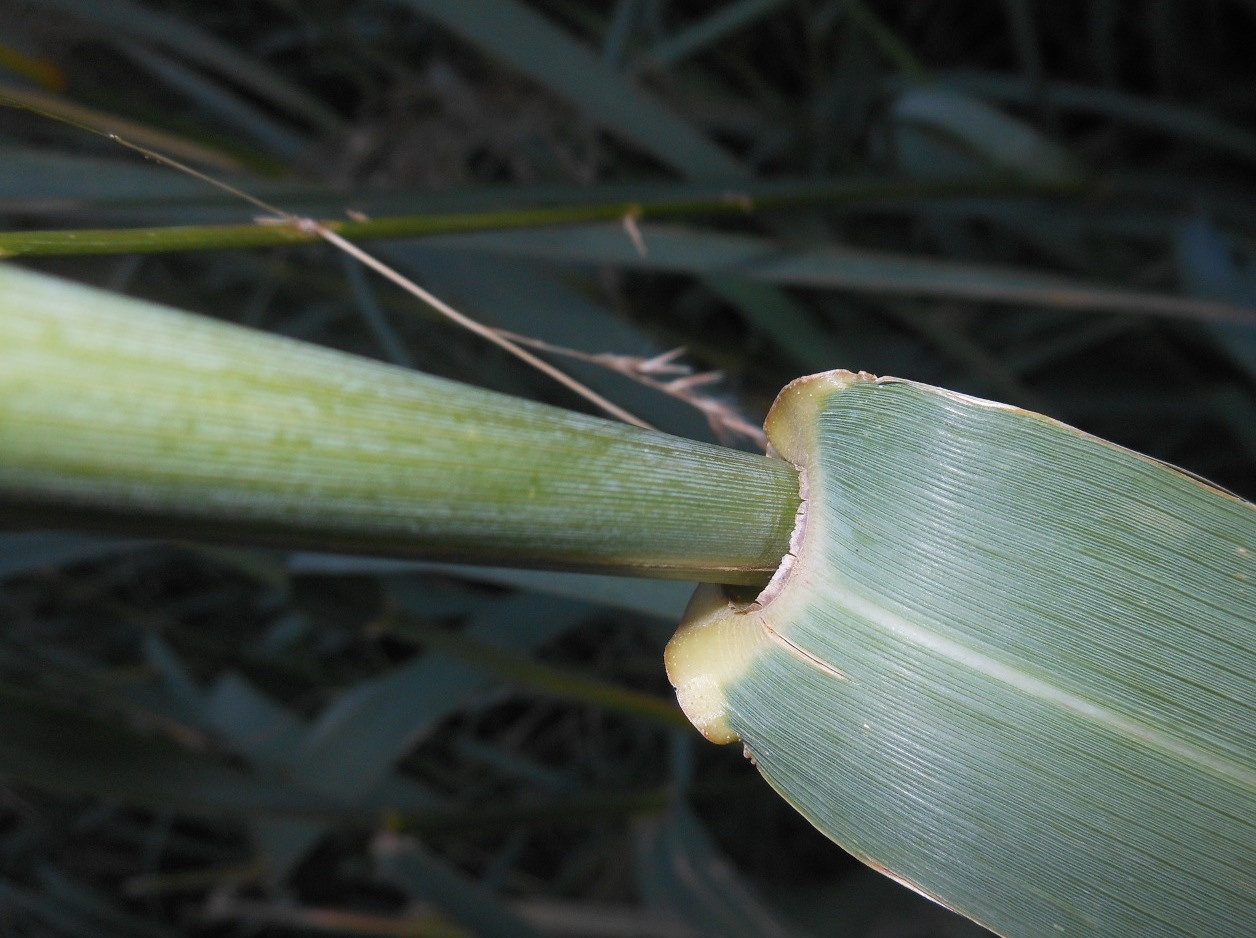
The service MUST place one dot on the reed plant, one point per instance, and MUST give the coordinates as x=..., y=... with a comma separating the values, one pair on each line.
x=322, y=613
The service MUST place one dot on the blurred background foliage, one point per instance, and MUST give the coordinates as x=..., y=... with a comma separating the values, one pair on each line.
x=1048, y=204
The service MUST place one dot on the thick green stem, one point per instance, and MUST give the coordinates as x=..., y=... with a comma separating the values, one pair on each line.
x=120, y=415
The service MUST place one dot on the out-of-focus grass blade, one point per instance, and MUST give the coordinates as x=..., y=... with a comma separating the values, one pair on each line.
x=158, y=201
x=707, y=31
x=521, y=671
x=42, y=71
x=357, y=739
x=286, y=917
x=1102, y=18
x=185, y=697
x=102, y=914
x=1011, y=665
x=680, y=871
x=1209, y=269
x=349, y=750
x=1191, y=123
x=222, y=103
x=162, y=29
x=619, y=32
x=661, y=599
x=53, y=746
x=373, y=314
x=1230, y=404
x=69, y=911
x=567, y=809
x=783, y=321
x=24, y=551
x=429, y=878
x=1020, y=15
x=933, y=121
x=515, y=33
x=33, y=178
x=868, y=905
x=985, y=371
x=689, y=250
x=252, y=724
x=599, y=920
x=887, y=41
x=167, y=143
x=270, y=736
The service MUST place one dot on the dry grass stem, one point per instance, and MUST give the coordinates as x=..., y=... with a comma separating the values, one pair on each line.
x=665, y=373
x=309, y=225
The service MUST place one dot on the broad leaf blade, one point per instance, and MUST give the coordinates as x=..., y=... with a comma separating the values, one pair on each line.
x=1013, y=665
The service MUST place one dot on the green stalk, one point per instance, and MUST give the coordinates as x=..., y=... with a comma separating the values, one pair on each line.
x=750, y=197
x=122, y=415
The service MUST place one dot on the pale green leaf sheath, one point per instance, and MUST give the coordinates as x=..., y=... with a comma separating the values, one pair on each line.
x=116, y=414
x=1011, y=665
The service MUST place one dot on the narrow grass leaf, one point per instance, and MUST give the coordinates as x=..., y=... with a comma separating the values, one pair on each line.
x=517, y=34
x=522, y=671
x=26, y=551
x=103, y=914
x=783, y=321
x=30, y=911
x=1191, y=123
x=187, y=699
x=55, y=747
x=682, y=872
x=660, y=599
x=425, y=876
x=354, y=743
x=886, y=40
x=177, y=34
x=222, y=222
x=252, y=724
x=220, y=102
x=171, y=144
x=707, y=31
x=989, y=138
x=688, y=250
x=45, y=183
x=270, y=737
x=1209, y=268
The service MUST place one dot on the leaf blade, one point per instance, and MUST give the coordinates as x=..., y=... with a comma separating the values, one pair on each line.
x=1012, y=665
